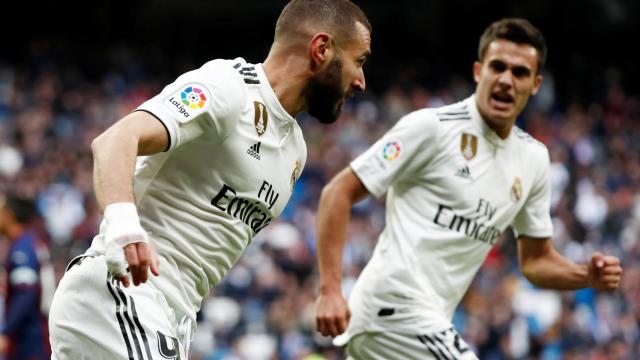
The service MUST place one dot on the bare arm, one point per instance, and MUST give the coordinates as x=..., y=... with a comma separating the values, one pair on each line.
x=545, y=267
x=115, y=151
x=114, y=154
x=334, y=210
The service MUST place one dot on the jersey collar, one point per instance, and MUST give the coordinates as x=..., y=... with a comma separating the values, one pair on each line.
x=487, y=132
x=272, y=100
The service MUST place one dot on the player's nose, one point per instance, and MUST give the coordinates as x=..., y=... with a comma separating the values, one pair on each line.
x=359, y=83
x=506, y=78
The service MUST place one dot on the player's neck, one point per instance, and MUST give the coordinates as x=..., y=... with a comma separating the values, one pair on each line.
x=502, y=130
x=502, y=127
x=286, y=76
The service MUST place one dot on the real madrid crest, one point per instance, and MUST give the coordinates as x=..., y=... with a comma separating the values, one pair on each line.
x=516, y=189
x=261, y=117
x=468, y=145
x=295, y=174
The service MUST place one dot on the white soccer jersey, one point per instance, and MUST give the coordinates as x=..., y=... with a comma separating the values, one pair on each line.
x=453, y=186
x=233, y=160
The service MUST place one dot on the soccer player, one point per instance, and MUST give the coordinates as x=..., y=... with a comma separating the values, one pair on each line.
x=22, y=334
x=190, y=177
x=456, y=177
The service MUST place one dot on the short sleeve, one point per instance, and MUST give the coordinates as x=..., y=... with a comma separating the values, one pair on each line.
x=208, y=100
x=400, y=153
x=534, y=219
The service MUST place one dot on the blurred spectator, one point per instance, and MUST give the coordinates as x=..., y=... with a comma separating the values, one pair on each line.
x=62, y=207
x=23, y=335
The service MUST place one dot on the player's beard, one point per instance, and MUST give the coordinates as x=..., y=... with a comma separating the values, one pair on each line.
x=325, y=94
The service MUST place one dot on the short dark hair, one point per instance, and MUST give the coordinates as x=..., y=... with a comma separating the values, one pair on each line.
x=23, y=209
x=337, y=17
x=519, y=31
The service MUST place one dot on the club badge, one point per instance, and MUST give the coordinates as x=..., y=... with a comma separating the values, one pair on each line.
x=468, y=146
x=516, y=189
x=261, y=117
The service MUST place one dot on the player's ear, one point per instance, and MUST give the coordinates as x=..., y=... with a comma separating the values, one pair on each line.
x=536, y=84
x=322, y=49
x=477, y=66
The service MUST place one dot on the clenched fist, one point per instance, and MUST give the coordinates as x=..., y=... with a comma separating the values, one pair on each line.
x=604, y=272
x=332, y=313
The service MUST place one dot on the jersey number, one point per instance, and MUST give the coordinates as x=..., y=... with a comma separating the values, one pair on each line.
x=168, y=346
x=459, y=344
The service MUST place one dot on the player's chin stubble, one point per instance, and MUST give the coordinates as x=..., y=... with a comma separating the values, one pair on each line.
x=325, y=95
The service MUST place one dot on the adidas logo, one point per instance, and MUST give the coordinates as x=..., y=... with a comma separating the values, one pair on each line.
x=464, y=172
x=254, y=150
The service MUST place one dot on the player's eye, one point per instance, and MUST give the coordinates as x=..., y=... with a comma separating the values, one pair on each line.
x=520, y=72
x=497, y=66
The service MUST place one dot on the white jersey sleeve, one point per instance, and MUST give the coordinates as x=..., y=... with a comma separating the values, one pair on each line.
x=404, y=149
x=534, y=219
x=206, y=100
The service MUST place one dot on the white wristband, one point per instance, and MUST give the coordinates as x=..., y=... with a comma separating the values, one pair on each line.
x=122, y=228
x=114, y=211
x=123, y=224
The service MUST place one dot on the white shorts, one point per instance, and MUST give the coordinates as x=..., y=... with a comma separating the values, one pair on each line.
x=93, y=316
x=441, y=345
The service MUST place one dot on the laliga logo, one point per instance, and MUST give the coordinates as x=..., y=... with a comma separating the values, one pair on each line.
x=193, y=97
x=391, y=151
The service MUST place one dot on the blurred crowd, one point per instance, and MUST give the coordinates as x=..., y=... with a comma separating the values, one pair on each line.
x=49, y=113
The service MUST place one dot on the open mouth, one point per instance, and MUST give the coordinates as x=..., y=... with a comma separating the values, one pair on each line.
x=502, y=100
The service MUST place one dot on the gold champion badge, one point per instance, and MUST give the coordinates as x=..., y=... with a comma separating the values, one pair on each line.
x=468, y=145
x=261, y=117
x=516, y=189
x=295, y=174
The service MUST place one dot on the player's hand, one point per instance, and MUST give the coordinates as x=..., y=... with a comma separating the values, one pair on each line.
x=604, y=272
x=141, y=258
x=332, y=313
x=127, y=245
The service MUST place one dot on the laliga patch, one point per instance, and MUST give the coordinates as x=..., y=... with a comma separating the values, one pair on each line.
x=392, y=150
x=189, y=101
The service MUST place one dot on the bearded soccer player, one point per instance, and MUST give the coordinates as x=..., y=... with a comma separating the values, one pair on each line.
x=190, y=177
x=456, y=177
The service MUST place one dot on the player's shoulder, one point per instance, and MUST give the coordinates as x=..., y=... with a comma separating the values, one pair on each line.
x=525, y=139
x=442, y=117
x=229, y=71
x=421, y=118
x=224, y=67
x=456, y=112
x=224, y=77
x=445, y=117
x=433, y=122
x=530, y=145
